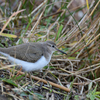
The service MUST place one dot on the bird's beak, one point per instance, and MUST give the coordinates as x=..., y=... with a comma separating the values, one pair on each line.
x=60, y=51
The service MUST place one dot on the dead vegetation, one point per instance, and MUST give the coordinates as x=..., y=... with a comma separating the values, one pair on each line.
x=75, y=28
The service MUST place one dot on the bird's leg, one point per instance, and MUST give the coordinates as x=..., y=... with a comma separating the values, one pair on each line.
x=30, y=77
x=26, y=76
x=48, y=67
x=29, y=73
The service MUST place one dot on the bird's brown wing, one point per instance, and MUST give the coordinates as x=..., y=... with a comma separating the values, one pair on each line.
x=27, y=52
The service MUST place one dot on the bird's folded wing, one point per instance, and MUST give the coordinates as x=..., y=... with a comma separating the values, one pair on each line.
x=26, y=52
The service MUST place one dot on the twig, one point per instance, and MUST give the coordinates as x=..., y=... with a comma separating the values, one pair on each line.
x=44, y=81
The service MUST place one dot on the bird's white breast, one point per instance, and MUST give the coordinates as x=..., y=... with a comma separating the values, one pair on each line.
x=29, y=66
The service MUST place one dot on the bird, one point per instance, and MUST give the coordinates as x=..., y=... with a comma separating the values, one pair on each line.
x=31, y=56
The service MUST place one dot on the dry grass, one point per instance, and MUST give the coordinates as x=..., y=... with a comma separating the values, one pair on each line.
x=79, y=71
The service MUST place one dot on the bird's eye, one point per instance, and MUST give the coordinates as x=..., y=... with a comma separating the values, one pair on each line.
x=53, y=46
